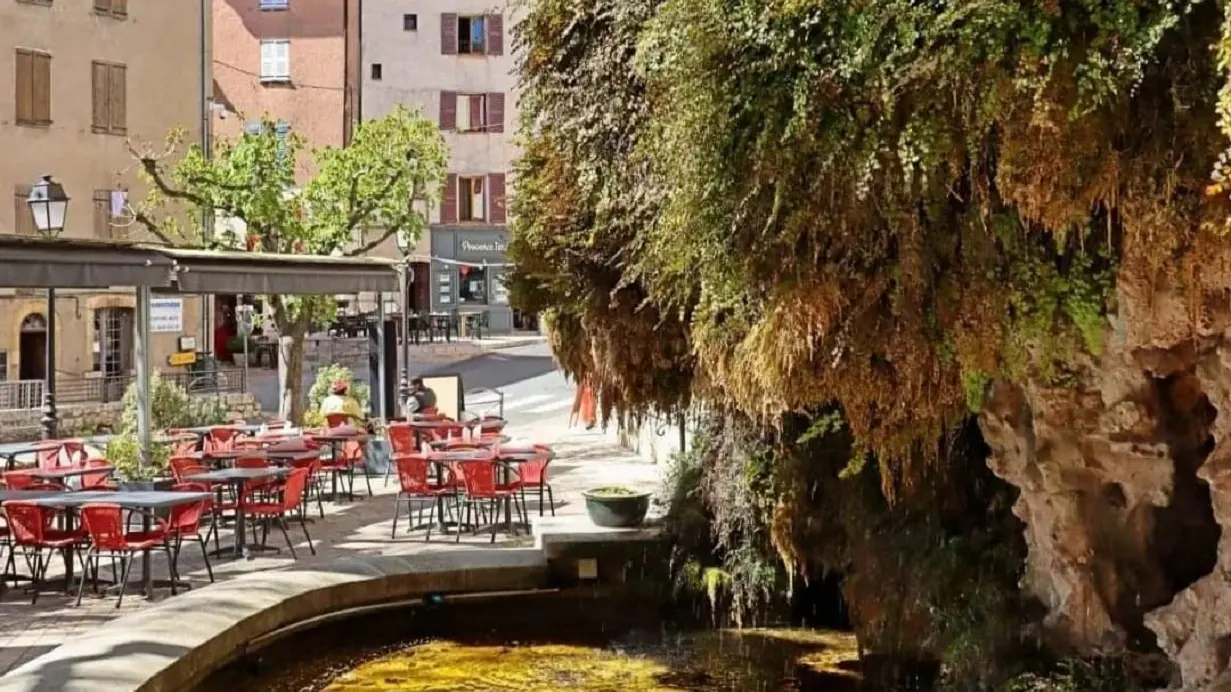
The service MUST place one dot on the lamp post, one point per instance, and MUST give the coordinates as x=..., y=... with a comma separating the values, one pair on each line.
x=49, y=206
x=407, y=276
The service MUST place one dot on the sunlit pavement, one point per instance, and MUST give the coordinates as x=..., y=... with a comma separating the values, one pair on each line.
x=537, y=404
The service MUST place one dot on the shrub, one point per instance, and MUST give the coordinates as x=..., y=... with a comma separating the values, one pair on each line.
x=171, y=406
x=325, y=377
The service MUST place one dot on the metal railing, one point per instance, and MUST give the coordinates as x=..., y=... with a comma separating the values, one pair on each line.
x=24, y=395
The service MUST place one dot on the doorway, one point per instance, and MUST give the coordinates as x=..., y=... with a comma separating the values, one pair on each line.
x=32, y=348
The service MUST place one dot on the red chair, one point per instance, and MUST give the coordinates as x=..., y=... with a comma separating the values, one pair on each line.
x=350, y=458
x=277, y=510
x=30, y=528
x=105, y=524
x=184, y=522
x=100, y=480
x=17, y=480
x=182, y=467
x=401, y=439
x=337, y=420
x=532, y=475
x=221, y=439
x=415, y=480
x=482, y=488
x=183, y=443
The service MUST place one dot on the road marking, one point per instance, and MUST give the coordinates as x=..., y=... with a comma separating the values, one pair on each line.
x=558, y=405
x=522, y=402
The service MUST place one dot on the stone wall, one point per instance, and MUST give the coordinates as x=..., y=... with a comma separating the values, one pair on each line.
x=85, y=419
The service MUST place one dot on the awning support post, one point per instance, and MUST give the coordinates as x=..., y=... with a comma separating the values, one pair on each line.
x=141, y=348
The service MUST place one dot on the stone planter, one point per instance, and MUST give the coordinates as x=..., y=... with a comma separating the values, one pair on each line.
x=145, y=485
x=617, y=511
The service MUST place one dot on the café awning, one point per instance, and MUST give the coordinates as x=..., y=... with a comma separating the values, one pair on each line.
x=35, y=262
x=212, y=271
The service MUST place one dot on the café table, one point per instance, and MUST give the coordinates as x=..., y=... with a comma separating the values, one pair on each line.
x=63, y=473
x=143, y=500
x=219, y=457
x=10, y=455
x=236, y=478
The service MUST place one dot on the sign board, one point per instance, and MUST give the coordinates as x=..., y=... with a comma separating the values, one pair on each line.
x=246, y=319
x=182, y=358
x=166, y=315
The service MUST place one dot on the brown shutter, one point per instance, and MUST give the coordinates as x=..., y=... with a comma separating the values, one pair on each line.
x=495, y=196
x=100, y=120
x=448, y=110
x=23, y=221
x=448, y=201
x=117, y=98
x=448, y=34
x=42, y=88
x=119, y=8
x=495, y=112
x=102, y=5
x=495, y=34
x=25, y=86
x=102, y=214
x=476, y=112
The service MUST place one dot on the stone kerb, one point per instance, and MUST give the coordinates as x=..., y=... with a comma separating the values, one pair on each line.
x=23, y=425
x=173, y=645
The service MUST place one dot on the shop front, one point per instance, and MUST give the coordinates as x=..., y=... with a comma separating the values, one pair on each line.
x=468, y=273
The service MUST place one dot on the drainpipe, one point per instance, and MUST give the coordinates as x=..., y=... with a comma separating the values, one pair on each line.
x=207, y=215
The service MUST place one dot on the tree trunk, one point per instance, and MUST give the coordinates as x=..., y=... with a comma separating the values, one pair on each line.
x=292, y=334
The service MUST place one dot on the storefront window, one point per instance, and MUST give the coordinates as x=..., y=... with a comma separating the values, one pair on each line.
x=473, y=289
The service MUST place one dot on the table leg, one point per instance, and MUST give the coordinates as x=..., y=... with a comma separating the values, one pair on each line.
x=240, y=539
x=146, y=573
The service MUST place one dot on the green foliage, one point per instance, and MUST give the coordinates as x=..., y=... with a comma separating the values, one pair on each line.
x=325, y=377
x=1076, y=675
x=124, y=453
x=171, y=406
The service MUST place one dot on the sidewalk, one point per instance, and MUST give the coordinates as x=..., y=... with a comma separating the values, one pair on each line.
x=585, y=460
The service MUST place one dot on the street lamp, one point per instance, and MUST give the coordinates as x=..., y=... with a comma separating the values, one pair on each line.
x=49, y=207
x=407, y=276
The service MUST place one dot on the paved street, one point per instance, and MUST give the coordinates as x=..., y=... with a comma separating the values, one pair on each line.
x=537, y=407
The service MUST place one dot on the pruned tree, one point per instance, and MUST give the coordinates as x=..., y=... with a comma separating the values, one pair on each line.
x=359, y=196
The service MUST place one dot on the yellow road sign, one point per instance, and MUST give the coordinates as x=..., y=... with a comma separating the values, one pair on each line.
x=182, y=358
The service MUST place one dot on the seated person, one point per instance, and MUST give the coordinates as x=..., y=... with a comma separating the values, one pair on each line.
x=422, y=399
x=340, y=401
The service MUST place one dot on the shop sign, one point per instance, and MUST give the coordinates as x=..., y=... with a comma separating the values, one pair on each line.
x=490, y=247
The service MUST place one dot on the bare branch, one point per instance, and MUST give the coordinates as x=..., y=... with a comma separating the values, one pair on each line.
x=360, y=212
x=373, y=244
x=152, y=226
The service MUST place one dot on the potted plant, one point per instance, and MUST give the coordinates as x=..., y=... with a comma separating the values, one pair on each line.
x=124, y=453
x=617, y=507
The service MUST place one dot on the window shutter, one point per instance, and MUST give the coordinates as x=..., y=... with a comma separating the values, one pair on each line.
x=42, y=88
x=495, y=112
x=282, y=129
x=448, y=34
x=102, y=214
x=252, y=127
x=117, y=98
x=448, y=110
x=100, y=120
x=495, y=34
x=476, y=112
x=102, y=5
x=448, y=201
x=25, y=86
x=23, y=220
x=495, y=199
x=119, y=8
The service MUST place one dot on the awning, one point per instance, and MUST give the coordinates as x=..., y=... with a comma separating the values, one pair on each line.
x=210, y=271
x=32, y=262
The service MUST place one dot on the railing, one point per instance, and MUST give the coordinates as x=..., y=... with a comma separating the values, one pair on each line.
x=22, y=395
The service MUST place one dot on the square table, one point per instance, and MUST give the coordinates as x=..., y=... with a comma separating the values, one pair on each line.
x=65, y=472
x=143, y=500
x=10, y=455
x=237, y=478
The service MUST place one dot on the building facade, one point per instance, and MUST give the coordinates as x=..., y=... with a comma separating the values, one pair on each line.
x=453, y=60
x=87, y=77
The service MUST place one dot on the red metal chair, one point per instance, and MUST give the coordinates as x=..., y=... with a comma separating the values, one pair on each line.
x=337, y=420
x=185, y=522
x=415, y=480
x=481, y=487
x=401, y=439
x=183, y=442
x=100, y=480
x=17, y=480
x=105, y=524
x=276, y=510
x=350, y=458
x=532, y=475
x=221, y=439
x=30, y=528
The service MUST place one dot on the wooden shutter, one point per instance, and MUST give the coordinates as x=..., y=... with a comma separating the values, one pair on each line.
x=102, y=6
x=448, y=201
x=495, y=112
x=448, y=110
x=102, y=214
x=100, y=120
x=476, y=112
x=25, y=86
x=448, y=33
x=23, y=220
x=495, y=199
x=119, y=8
x=42, y=88
x=495, y=34
x=117, y=98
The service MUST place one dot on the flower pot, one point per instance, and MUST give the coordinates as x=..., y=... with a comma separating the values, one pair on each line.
x=617, y=511
x=145, y=485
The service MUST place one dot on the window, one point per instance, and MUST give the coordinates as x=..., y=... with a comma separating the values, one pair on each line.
x=33, y=80
x=4, y=366
x=109, y=82
x=112, y=341
x=108, y=204
x=275, y=4
x=112, y=8
x=276, y=60
x=470, y=35
x=473, y=288
x=377, y=72
x=23, y=220
x=410, y=22
x=470, y=205
x=471, y=112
